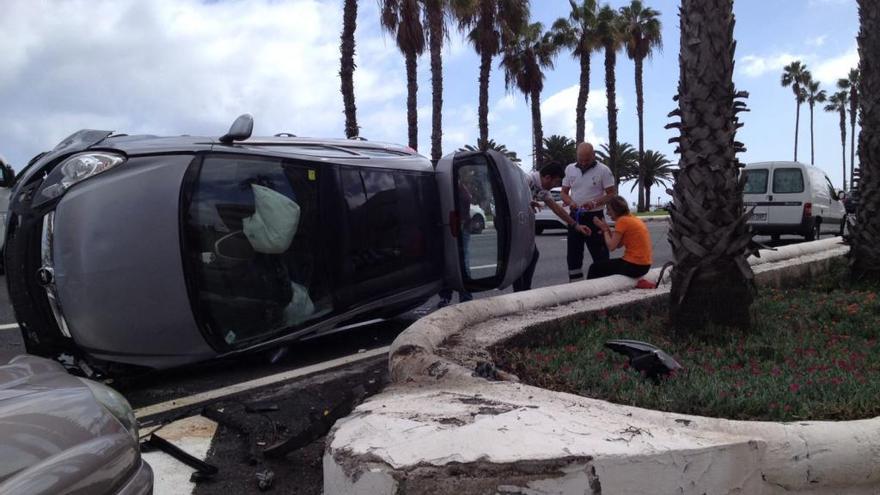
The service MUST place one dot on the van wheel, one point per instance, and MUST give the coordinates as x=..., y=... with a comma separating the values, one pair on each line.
x=815, y=230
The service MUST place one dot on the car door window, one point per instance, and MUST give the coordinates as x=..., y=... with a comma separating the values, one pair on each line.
x=253, y=249
x=756, y=181
x=391, y=233
x=480, y=252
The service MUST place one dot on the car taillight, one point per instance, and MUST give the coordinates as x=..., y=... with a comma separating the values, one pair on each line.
x=808, y=210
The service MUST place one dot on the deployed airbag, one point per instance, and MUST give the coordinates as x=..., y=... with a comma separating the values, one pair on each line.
x=271, y=228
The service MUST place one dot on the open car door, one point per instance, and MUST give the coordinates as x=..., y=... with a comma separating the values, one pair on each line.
x=488, y=223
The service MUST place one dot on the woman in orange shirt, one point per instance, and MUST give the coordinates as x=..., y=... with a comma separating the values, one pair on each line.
x=629, y=232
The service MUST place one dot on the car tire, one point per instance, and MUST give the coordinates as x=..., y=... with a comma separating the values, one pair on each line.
x=478, y=223
x=815, y=230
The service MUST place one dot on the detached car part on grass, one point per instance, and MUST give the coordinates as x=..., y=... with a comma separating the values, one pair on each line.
x=60, y=434
x=131, y=253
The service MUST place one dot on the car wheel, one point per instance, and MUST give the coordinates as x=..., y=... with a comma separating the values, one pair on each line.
x=815, y=230
x=477, y=224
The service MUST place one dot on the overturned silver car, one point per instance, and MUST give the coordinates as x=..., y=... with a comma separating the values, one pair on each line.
x=127, y=253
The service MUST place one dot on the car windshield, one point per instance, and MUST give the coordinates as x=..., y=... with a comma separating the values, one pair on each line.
x=252, y=248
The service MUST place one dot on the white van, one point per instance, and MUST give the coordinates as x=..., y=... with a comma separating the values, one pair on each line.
x=792, y=198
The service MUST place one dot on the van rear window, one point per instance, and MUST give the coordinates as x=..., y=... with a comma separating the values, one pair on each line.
x=788, y=180
x=756, y=181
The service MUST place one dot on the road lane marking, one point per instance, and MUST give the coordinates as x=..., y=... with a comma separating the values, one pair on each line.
x=9, y=326
x=182, y=402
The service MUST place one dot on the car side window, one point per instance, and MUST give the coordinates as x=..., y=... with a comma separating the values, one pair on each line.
x=756, y=181
x=252, y=246
x=788, y=181
x=391, y=239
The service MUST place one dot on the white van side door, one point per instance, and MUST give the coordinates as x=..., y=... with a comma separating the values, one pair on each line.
x=484, y=183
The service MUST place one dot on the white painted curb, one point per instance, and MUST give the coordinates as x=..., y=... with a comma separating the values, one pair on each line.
x=440, y=430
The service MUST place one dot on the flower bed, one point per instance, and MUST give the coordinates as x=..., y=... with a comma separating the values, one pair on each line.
x=812, y=354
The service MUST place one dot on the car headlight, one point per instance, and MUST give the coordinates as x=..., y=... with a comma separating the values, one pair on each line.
x=115, y=404
x=74, y=170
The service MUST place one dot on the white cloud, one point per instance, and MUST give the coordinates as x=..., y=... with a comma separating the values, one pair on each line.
x=184, y=67
x=828, y=71
x=756, y=65
x=818, y=40
x=558, y=113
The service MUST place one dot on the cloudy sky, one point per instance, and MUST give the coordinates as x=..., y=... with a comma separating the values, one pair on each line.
x=191, y=66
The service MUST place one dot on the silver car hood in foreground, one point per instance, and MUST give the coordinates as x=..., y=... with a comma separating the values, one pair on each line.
x=56, y=438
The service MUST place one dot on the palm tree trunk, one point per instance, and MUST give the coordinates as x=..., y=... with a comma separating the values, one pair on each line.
x=797, y=122
x=435, y=39
x=812, y=149
x=865, y=250
x=711, y=282
x=412, y=89
x=853, y=112
x=843, y=143
x=485, y=68
x=610, y=61
x=647, y=196
x=537, y=129
x=346, y=66
x=640, y=109
x=583, y=96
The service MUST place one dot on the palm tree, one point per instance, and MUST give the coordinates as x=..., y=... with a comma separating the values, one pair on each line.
x=712, y=282
x=656, y=170
x=578, y=33
x=435, y=16
x=814, y=95
x=623, y=160
x=490, y=25
x=403, y=19
x=865, y=251
x=608, y=29
x=560, y=150
x=524, y=59
x=851, y=84
x=346, y=66
x=492, y=145
x=838, y=103
x=793, y=75
x=641, y=32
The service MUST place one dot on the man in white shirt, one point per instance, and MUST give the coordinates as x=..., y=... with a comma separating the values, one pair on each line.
x=586, y=187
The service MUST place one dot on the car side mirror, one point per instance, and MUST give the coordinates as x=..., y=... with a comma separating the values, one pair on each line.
x=8, y=175
x=240, y=130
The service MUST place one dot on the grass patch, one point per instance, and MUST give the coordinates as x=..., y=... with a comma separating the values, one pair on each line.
x=812, y=354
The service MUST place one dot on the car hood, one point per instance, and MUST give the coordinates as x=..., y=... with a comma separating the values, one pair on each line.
x=54, y=433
